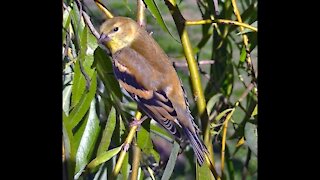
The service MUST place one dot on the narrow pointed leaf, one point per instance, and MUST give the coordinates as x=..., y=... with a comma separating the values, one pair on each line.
x=171, y=162
x=212, y=102
x=159, y=131
x=88, y=140
x=107, y=132
x=103, y=157
x=105, y=72
x=79, y=82
x=125, y=168
x=152, y=6
x=66, y=93
x=144, y=141
x=222, y=114
x=81, y=108
x=251, y=135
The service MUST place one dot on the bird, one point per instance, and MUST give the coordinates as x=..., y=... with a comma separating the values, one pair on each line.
x=144, y=70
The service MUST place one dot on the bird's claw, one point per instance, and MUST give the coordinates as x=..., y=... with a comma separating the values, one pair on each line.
x=126, y=146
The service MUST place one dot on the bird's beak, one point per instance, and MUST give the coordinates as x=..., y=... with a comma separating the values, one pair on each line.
x=103, y=39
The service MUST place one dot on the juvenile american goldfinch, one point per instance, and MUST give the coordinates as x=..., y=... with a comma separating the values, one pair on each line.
x=145, y=72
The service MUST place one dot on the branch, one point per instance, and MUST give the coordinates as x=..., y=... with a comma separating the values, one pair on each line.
x=140, y=13
x=126, y=146
x=195, y=78
x=221, y=21
x=184, y=64
x=225, y=125
x=135, y=161
x=90, y=25
x=246, y=44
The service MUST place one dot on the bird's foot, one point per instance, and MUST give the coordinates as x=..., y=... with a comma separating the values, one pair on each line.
x=126, y=147
x=137, y=122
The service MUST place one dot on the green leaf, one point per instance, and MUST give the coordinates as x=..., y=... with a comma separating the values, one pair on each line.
x=152, y=6
x=78, y=85
x=251, y=135
x=77, y=25
x=66, y=93
x=76, y=19
x=144, y=141
x=67, y=138
x=228, y=80
x=212, y=102
x=108, y=131
x=140, y=174
x=160, y=132
x=105, y=72
x=243, y=55
x=103, y=157
x=81, y=108
x=171, y=162
x=203, y=172
x=222, y=114
x=255, y=111
x=66, y=21
x=79, y=81
x=88, y=140
x=125, y=168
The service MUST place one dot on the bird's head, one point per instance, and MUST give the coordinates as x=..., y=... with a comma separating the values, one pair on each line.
x=117, y=33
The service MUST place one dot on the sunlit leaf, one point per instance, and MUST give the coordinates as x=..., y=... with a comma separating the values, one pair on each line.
x=243, y=55
x=66, y=93
x=81, y=108
x=88, y=140
x=103, y=157
x=107, y=132
x=255, y=111
x=240, y=142
x=151, y=172
x=79, y=82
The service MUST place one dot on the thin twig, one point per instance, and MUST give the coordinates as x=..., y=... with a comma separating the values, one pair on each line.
x=224, y=135
x=184, y=64
x=140, y=13
x=220, y=21
x=216, y=7
x=65, y=52
x=90, y=25
x=195, y=78
x=246, y=44
x=225, y=125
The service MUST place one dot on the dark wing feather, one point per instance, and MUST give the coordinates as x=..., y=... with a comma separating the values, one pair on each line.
x=154, y=103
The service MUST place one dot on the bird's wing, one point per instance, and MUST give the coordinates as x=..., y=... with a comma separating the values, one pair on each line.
x=154, y=103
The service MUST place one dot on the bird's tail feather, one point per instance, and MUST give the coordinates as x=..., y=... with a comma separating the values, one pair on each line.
x=198, y=147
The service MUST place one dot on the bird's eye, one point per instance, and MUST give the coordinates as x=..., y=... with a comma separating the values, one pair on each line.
x=115, y=29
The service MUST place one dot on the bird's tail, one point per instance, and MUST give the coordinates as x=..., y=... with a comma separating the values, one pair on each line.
x=198, y=147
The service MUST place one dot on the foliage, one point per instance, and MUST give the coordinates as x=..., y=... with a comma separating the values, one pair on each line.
x=96, y=113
